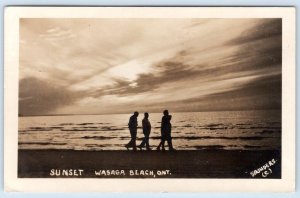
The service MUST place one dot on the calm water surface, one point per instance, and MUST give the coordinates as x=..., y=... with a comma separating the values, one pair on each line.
x=231, y=130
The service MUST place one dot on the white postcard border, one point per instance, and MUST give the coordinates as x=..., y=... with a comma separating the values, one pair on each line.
x=11, y=81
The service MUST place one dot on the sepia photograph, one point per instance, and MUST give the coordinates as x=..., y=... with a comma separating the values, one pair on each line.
x=150, y=98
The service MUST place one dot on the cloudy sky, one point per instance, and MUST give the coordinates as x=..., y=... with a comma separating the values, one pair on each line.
x=99, y=66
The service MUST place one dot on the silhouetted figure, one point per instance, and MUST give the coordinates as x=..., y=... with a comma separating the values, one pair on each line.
x=166, y=131
x=146, y=132
x=132, y=125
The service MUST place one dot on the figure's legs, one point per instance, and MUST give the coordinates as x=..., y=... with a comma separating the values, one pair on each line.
x=142, y=143
x=159, y=145
x=169, y=139
x=147, y=141
x=129, y=144
x=163, y=144
x=133, y=136
x=132, y=142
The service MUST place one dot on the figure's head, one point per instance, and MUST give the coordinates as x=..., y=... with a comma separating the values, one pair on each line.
x=166, y=112
x=146, y=115
x=136, y=113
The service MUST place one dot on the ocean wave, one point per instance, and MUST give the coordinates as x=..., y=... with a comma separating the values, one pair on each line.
x=210, y=147
x=97, y=137
x=86, y=123
x=95, y=145
x=214, y=137
x=76, y=130
x=66, y=124
x=41, y=143
x=267, y=132
x=40, y=129
x=251, y=146
x=85, y=127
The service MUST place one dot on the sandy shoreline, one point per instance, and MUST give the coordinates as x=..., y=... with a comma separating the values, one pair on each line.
x=179, y=164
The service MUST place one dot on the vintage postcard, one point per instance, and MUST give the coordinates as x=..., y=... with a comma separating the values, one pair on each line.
x=152, y=99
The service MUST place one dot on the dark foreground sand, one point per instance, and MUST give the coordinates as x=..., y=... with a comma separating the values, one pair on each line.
x=146, y=164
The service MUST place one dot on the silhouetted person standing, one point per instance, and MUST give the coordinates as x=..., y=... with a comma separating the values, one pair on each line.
x=166, y=131
x=146, y=132
x=132, y=125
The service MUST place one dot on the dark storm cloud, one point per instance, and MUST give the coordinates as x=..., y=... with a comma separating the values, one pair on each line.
x=265, y=29
x=263, y=93
x=259, y=47
x=37, y=97
x=170, y=71
x=259, y=52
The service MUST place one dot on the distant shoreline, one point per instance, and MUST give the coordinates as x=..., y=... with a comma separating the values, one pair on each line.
x=21, y=115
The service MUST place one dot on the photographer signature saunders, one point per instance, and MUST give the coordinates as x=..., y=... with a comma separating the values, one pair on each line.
x=264, y=170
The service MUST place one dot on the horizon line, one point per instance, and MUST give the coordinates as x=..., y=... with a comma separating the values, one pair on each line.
x=20, y=115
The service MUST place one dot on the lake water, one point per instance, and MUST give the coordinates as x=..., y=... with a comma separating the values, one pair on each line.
x=231, y=130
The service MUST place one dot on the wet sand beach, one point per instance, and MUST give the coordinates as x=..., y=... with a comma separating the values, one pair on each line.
x=212, y=163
